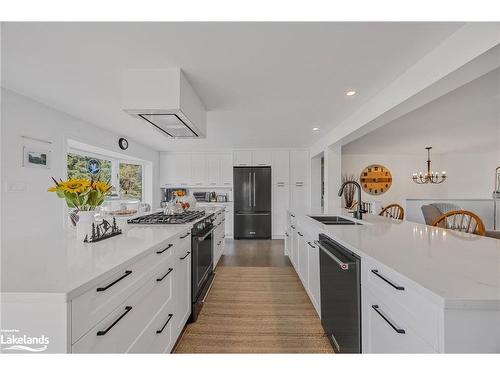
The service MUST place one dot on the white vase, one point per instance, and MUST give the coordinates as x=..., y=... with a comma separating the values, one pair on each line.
x=84, y=224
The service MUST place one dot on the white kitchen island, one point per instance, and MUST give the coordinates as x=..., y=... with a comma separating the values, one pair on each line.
x=451, y=296
x=128, y=293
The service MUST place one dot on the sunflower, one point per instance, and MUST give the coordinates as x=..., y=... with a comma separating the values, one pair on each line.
x=102, y=186
x=78, y=185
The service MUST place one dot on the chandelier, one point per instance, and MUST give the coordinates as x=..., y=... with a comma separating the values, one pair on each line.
x=429, y=177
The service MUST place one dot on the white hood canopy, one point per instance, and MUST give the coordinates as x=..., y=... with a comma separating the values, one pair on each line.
x=164, y=99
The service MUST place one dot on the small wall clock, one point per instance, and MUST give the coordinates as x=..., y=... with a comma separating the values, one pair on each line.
x=123, y=143
x=375, y=179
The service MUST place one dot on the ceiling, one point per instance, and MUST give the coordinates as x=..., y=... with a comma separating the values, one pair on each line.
x=263, y=84
x=467, y=118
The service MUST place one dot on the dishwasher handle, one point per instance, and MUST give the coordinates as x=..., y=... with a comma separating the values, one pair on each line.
x=343, y=265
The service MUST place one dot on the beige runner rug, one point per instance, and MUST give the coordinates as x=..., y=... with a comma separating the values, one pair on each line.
x=256, y=310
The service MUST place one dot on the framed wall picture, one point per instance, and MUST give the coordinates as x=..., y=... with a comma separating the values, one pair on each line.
x=36, y=157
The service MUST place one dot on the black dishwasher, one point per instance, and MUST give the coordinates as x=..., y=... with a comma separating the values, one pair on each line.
x=340, y=283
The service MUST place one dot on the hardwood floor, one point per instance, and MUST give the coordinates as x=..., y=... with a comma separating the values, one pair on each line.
x=257, y=305
x=254, y=253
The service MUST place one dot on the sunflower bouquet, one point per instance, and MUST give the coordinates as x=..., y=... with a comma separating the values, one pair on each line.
x=81, y=193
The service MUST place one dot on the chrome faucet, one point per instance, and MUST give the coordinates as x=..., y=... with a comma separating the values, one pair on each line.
x=358, y=214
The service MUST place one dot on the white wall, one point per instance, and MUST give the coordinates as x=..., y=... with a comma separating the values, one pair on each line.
x=470, y=175
x=26, y=204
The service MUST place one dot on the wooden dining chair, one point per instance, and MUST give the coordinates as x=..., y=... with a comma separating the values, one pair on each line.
x=461, y=220
x=393, y=211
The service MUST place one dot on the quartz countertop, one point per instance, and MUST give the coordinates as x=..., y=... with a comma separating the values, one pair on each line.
x=454, y=269
x=60, y=267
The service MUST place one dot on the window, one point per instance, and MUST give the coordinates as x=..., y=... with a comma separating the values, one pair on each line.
x=125, y=175
x=130, y=177
x=77, y=167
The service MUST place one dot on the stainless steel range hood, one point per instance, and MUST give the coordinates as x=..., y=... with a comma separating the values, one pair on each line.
x=165, y=100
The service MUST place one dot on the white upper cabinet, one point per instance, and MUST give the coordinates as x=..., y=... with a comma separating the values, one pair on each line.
x=261, y=158
x=214, y=166
x=175, y=169
x=245, y=158
x=280, y=166
x=198, y=169
x=226, y=169
x=299, y=167
x=242, y=158
x=183, y=169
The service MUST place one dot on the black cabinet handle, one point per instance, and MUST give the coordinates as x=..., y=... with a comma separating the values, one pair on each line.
x=292, y=215
x=310, y=244
x=161, y=278
x=165, y=249
x=292, y=226
x=187, y=234
x=286, y=234
x=185, y=256
x=102, y=333
x=388, y=281
x=102, y=289
x=168, y=320
x=388, y=320
x=300, y=234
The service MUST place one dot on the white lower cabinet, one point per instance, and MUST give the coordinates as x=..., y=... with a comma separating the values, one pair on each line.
x=385, y=328
x=280, y=202
x=117, y=332
x=147, y=320
x=313, y=281
x=304, y=255
x=219, y=235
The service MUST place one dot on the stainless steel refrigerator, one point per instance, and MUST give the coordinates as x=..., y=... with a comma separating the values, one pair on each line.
x=252, y=202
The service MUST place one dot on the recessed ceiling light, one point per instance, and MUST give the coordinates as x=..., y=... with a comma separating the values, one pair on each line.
x=350, y=93
x=315, y=129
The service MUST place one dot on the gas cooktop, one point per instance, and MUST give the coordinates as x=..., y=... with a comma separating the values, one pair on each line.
x=161, y=218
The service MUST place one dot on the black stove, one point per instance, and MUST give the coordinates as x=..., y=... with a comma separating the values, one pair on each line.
x=161, y=218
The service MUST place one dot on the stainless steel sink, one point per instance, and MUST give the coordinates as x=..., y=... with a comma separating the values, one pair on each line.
x=334, y=220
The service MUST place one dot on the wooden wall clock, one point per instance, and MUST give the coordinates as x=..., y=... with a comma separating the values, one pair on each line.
x=375, y=179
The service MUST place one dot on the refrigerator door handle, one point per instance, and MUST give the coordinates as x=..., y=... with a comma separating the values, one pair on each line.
x=253, y=185
x=249, y=189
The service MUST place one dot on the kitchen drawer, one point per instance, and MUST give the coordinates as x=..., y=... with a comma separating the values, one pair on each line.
x=393, y=289
x=160, y=335
x=92, y=306
x=117, y=332
x=380, y=322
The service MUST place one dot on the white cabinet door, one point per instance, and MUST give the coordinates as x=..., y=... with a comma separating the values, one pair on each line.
x=303, y=257
x=299, y=167
x=295, y=248
x=298, y=198
x=281, y=200
x=313, y=275
x=242, y=158
x=385, y=329
x=213, y=166
x=261, y=158
x=198, y=169
x=168, y=174
x=226, y=168
x=182, y=291
x=280, y=165
x=229, y=221
x=287, y=241
x=182, y=169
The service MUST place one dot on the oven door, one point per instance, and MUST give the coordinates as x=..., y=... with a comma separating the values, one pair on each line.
x=202, y=259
